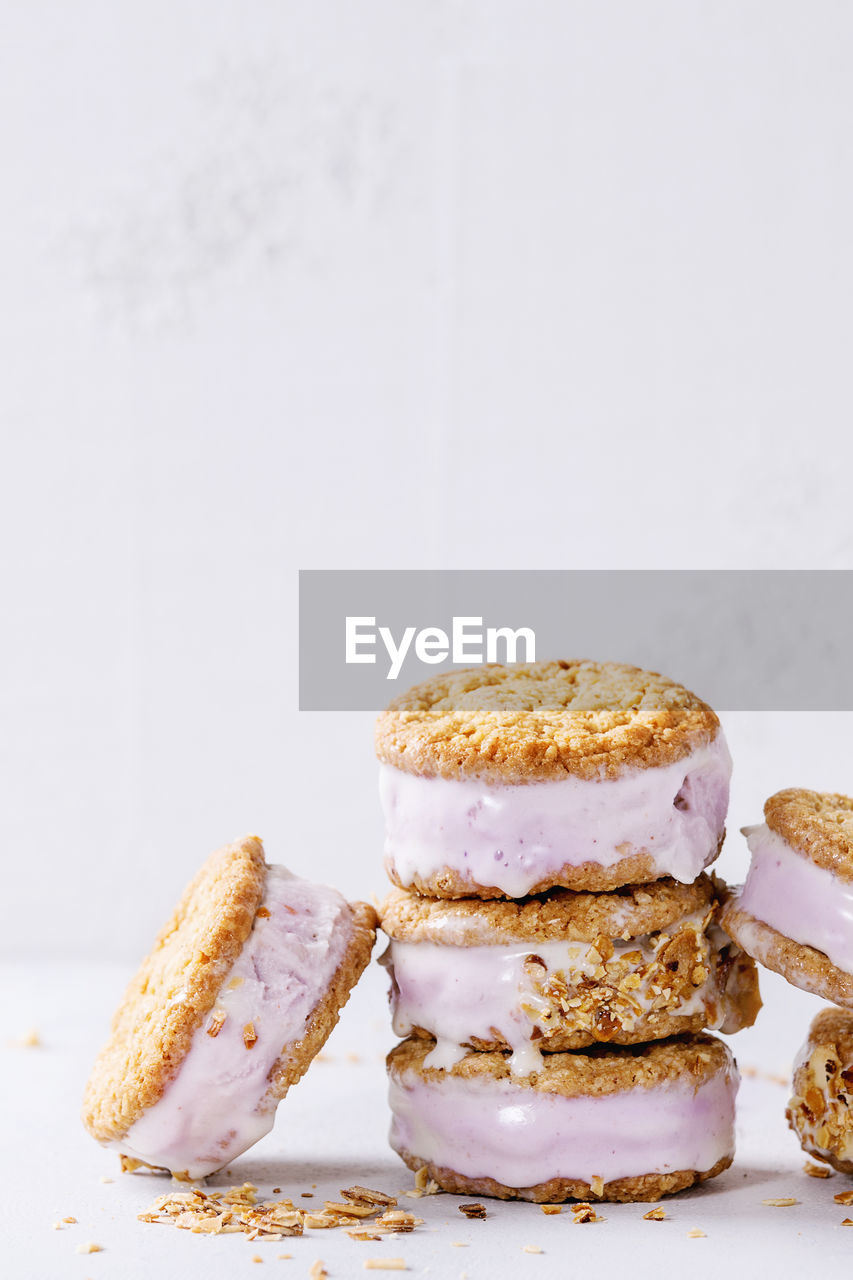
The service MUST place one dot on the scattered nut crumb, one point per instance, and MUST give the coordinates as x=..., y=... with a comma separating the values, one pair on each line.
x=104, y=1178
x=459, y=1244
x=385, y=1264
x=531, y=1248
x=285, y=1255
x=307, y=1195
x=277, y=1192
x=844, y=1197
x=69, y=1219
x=365, y=1195
x=236, y=1210
x=596, y=1185
x=657, y=1214
x=816, y=1170
x=128, y=1164
x=89, y=1247
x=256, y=1257
x=585, y=1213
x=472, y=1210
x=56, y=1226
x=250, y=1036
x=847, y=1222
x=353, y=1057
x=318, y=1271
x=780, y=1202
x=696, y=1234
x=552, y=1208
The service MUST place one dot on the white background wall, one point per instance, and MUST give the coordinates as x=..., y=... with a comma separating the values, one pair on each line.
x=431, y=284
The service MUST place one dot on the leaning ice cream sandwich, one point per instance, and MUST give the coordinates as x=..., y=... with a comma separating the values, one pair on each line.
x=630, y=1123
x=502, y=781
x=239, y=993
x=565, y=970
x=793, y=913
x=821, y=1109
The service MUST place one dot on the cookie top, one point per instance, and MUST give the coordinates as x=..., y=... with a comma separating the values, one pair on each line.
x=594, y=1072
x=541, y=722
x=628, y=912
x=818, y=824
x=175, y=988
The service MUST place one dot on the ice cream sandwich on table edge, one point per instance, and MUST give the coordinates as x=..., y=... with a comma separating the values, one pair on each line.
x=793, y=913
x=240, y=992
x=506, y=781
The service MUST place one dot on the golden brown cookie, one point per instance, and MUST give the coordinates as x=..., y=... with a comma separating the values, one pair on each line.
x=818, y=824
x=627, y=1123
x=539, y=722
x=566, y=970
x=821, y=1109
x=239, y=992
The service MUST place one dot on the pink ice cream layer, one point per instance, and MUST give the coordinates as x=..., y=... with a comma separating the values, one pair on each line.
x=807, y=903
x=487, y=1128
x=512, y=837
x=217, y=1105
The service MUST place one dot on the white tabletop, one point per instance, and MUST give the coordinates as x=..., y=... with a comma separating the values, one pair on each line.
x=331, y=1132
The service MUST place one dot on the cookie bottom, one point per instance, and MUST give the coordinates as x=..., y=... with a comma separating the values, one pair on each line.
x=594, y=877
x=641, y=1188
x=798, y=963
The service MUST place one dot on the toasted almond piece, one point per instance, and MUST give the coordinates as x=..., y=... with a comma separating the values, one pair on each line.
x=596, y=1185
x=351, y=1208
x=385, y=1264
x=844, y=1197
x=552, y=1208
x=780, y=1202
x=473, y=1209
x=318, y=1271
x=696, y=1234
x=321, y=1221
x=365, y=1234
x=69, y=1219
x=847, y=1222
x=816, y=1170
x=655, y=1215
x=365, y=1195
x=250, y=1035
x=531, y=1248
x=217, y=1022
x=89, y=1247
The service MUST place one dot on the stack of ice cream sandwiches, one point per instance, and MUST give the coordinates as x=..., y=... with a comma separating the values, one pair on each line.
x=555, y=953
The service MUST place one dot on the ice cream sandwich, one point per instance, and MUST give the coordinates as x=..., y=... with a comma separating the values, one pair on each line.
x=565, y=970
x=629, y=1123
x=505, y=781
x=239, y=993
x=821, y=1109
x=795, y=910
